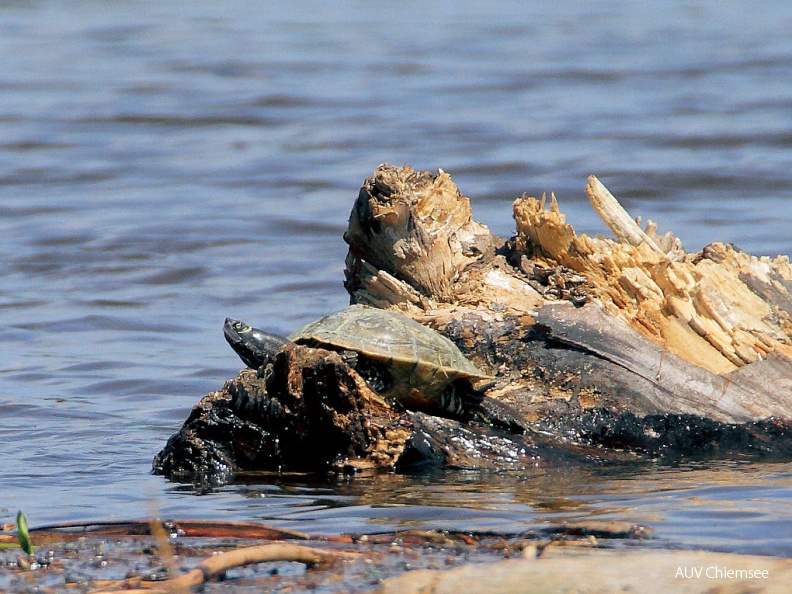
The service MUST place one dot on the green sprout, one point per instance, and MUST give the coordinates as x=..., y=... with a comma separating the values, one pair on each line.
x=22, y=533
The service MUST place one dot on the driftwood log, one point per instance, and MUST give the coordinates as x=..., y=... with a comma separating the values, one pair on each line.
x=609, y=349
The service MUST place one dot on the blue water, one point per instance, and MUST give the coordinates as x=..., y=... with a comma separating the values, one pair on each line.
x=165, y=165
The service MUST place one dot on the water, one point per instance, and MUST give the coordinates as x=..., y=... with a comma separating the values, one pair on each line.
x=165, y=165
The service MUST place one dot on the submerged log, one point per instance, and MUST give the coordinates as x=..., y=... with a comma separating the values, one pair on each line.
x=629, y=344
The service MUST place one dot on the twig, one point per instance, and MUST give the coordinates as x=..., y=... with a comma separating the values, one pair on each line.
x=615, y=217
x=208, y=529
x=218, y=564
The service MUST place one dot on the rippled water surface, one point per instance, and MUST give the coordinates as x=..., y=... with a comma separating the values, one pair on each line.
x=165, y=165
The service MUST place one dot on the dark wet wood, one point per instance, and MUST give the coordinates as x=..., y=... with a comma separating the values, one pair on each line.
x=308, y=410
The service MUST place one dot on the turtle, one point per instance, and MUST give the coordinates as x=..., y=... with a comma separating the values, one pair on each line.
x=398, y=357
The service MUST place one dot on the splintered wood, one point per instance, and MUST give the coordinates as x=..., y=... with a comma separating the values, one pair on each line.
x=410, y=235
x=720, y=309
x=649, y=328
x=414, y=246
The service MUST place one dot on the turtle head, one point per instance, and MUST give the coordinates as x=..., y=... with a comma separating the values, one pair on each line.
x=255, y=347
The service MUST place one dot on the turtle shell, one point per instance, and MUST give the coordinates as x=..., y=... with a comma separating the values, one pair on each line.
x=421, y=362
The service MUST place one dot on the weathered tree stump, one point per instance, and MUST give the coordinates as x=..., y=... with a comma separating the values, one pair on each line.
x=603, y=346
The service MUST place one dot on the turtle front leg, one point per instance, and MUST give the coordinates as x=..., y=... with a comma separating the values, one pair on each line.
x=463, y=403
x=501, y=415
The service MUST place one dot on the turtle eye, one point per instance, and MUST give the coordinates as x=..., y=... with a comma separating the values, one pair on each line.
x=239, y=326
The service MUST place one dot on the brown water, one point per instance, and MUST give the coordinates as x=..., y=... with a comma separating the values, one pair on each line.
x=165, y=165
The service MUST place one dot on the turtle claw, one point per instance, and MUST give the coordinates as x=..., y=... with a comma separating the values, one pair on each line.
x=501, y=416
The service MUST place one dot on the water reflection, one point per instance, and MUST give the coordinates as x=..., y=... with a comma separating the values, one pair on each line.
x=726, y=506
